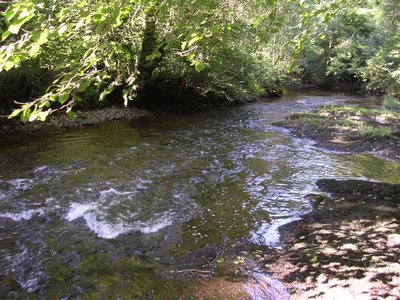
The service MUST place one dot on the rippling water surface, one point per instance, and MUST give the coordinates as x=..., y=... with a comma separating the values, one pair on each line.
x=102, y=211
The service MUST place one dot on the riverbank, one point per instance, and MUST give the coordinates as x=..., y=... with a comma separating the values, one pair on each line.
x=82, y=119
x=346, y=248
x=350, y=129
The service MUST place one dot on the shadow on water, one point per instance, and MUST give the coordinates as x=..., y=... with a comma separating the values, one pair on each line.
x=106, y=210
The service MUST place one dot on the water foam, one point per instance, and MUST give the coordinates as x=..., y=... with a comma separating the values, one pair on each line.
x=112, y=229
x=78, y=210
x=113, y=191
x=24, y=215
x=155, y=225
x=20, y=183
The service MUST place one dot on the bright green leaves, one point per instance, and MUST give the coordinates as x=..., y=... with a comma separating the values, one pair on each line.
x=18, y=19
x=40, y=37
x=11, y=13
x=18, y=14
x=199, y=66
x=5, y=34
x=39, y=115
x=95, y=46
x=20, y=45
x=183, y=45
x=64, y=97
x=195, y=38
x=30, y=113
x=17, y=24
x=80, y=40
x=25, y=114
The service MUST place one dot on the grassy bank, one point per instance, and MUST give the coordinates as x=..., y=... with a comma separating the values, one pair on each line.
x=351, y=129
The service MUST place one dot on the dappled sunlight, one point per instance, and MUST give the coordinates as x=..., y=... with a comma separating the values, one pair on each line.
x=347, y=247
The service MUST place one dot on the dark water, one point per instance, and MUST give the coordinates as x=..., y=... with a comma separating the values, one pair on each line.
x=101, y=212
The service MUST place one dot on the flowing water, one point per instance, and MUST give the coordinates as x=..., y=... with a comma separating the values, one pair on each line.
x=101, y=212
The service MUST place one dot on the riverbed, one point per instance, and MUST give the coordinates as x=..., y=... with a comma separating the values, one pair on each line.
x=105, y=211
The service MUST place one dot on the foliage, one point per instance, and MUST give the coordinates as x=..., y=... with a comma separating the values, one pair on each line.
x=120, y=43
x=235, y=50
x=391, y=102
x=357, y=48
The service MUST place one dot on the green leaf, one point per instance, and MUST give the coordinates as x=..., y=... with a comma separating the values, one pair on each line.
x=42, y=115
x=44, y=104
x=8, y=65
x=183, y=46
x=33, y=52
x=314, y=259
x=10, y=14
x=25, y=115
x=40, y=37
x=274, y=29
x=63, y=98
x=100, y=27
x=16, y=26
x=155, y=54
x=5, y=35
x=190, y=57
x=71, y=115
x=76, y=98
x=315, y=264
x=15, y=113
x=270, y=2
x=194, y=40
x=84, y=85
x=107, y=91
x=199, y=66
x=97, y=18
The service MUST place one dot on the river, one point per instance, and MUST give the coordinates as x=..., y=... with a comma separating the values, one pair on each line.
x=101, y=212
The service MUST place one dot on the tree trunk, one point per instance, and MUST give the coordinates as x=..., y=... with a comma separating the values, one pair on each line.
x=148, y=61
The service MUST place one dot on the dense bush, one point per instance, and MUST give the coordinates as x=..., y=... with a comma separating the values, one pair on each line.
x=359, y=49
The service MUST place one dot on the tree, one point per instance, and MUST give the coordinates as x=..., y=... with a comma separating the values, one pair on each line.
x=119, y=43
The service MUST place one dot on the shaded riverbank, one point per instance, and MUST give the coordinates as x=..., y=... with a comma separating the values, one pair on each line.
x=348, y=247
x=82, y=119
